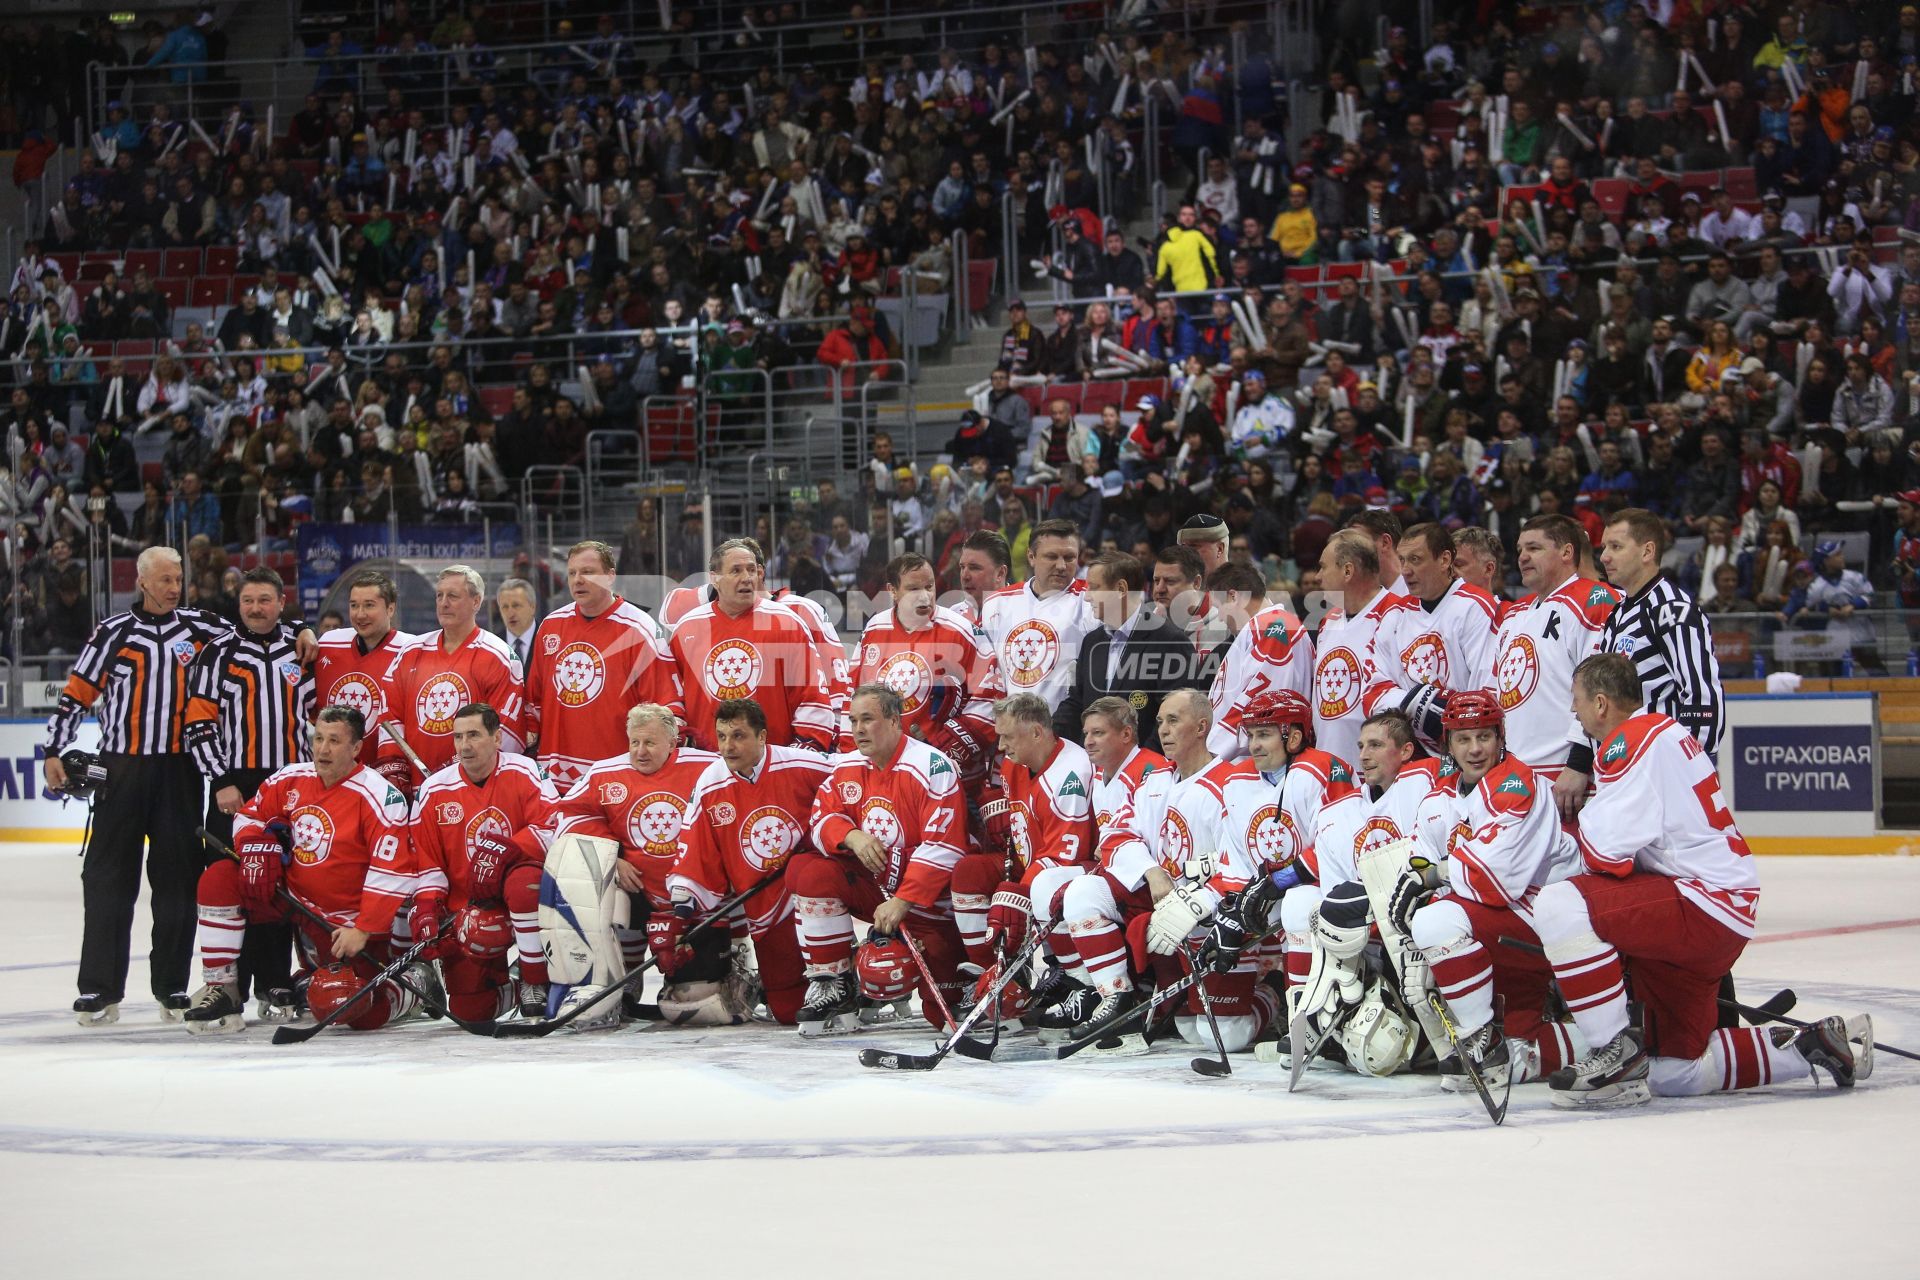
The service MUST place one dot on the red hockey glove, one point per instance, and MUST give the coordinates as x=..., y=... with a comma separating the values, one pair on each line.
x=429, y=919
x=665, y=933
x=1009, y=915
x=487, y=870
x=996, y=825
x=952, y=740
x=262, y=862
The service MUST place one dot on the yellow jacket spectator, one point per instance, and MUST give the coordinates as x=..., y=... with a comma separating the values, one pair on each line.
x=1187, y=260
x=1296, y=230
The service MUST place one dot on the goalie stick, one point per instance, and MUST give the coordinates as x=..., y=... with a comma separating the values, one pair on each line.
x=885, y=1060
x=284, y=894
x=524, y=1030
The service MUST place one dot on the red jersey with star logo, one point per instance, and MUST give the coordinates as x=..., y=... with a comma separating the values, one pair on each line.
x=912, y=806
x=351, y=859
x=643, y=811
x=430, y=684
x=347, y=674
x=515, y=803
x=765, y=654
x=1051, y=811
x=584, y=674
x=942, y=671
x=739, y=829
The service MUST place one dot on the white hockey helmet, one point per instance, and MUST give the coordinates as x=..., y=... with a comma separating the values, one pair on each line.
x=1378, y=1039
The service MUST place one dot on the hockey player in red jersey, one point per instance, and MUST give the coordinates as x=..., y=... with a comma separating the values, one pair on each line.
x=457, y=666
x=749, y=814
x=1503, y=842
x=888, y=826
x=1186, y=842
x=1667, y=898
x=741, y=645
x=831, y=651
x=334, y=833
x=476, y=829
x=938, y=662
x=591, y=660
x=1044, y=837
x=1448, y=646
x=357, y=664
x=1540, y=643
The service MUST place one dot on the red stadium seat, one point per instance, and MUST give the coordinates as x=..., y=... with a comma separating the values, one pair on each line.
x=1612, y=195
x=1034, y=396
x=69, y=263
x=174, y=291
x=497, y=401
x=221, y=259
x=669, y=430
x=181, y=262
x=147, y=260
x=94, y=269
x=1095, y=396
x=129, y=348
x=1740, y=184
x=209, y=291
x=980, y=273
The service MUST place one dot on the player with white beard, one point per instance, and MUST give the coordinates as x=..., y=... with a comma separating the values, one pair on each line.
x=1350, y=573
x=1540, y=643
x=1452, y=648
x=1036, y=628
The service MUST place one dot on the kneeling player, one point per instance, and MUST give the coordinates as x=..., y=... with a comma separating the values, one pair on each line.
x=334, y=834
x=1181, y=846
x=748, y=816
x=640, y=799
x=1668, y=898
x=1047, y=838
x=475, y=830
x=1503, y=842
x=888, y=825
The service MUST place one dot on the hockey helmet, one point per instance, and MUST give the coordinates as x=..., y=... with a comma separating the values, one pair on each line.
x=885, y=969
x=1377, y=1038
x=1473, y=709
x=482, y=933
x=85, y=773
x=1282, y=707
x=331, y=987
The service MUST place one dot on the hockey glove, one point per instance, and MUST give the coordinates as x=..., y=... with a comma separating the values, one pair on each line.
x=487, y=871
x=996, y=825
x=262, y=862
x=1008, y=917
x=1174, y=917
x=1424, y=705
x=665, y=933
x=282, y=831
x=429, y=918
x=953, y=741
x=1228, y=937
x=1417, y=884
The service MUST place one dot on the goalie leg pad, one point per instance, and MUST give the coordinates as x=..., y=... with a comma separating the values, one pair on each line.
x=580, y=908
x=704, y=1004
x=1335, y=978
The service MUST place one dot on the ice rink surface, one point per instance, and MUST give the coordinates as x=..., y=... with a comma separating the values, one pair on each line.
x=135, y=1151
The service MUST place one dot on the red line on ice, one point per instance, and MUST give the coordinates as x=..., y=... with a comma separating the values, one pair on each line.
x=1836, y=930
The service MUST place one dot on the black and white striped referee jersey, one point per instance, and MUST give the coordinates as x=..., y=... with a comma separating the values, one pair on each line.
x=1670, y=641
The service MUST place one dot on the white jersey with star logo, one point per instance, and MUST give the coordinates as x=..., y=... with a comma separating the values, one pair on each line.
x=1036, y=643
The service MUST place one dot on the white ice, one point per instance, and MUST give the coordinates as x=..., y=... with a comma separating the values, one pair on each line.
x=135, y=1151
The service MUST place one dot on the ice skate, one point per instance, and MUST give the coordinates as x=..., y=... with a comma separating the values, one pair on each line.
x=1613, y=1076
x=1828, y=1046
x=831, y=1006
x=1073, y=1002
x=96, y=1011
x=216, y=1008
x=174, y=1008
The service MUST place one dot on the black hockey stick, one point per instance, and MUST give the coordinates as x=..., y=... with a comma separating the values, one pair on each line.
x=1497, y=1111
x=1143, y=1010
x=326, y=926
x=1207, y=1066
x=524, y=1030
x=884, y=1060
x=1772, y=1009
x=300, y=1035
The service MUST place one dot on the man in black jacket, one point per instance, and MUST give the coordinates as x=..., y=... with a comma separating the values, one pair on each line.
x=1142, y=659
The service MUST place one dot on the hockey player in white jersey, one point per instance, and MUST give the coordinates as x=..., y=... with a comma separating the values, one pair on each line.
x=1271, y=652
x=1362, y=604
x=1415, y=672
x=1035, y=628
x=1668, y=898
x=1541, y=641
x=1184, y=844
x=1502, y=843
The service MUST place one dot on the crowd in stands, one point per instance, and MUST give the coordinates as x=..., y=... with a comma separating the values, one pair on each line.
x=1508, y=269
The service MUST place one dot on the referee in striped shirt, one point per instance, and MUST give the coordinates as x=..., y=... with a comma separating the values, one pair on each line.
x=1661, y=629
x=249, y=702
x=132, y=675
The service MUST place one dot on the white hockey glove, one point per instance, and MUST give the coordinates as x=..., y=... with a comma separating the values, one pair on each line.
x=1174, y=917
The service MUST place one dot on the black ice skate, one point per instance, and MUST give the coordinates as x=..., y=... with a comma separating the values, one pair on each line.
x=96, y=1011
x=1613, y=1076
x=1827, y=1045
x=216, y=1008
x=832, y=1005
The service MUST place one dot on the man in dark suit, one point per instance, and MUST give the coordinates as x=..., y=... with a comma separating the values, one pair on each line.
x=1141, y=660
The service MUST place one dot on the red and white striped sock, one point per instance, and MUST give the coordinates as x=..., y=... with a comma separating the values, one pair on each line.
x=970, y=917
x=1103, y=954
x=1464, y=974
x=526, y=937
x=1593, y=984
x=219, y=936
x=826, y=934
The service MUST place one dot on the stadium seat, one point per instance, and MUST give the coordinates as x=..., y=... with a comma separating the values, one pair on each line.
x=498, y=401
x=147, y=260
x=173, y=290
x=181, y=262
x=980, y=272
x=221, y=259
x=94, y=269
x=669, y=430
x=1612, y=195
x=1095, y=396
x=1740, y=184
x=209, y=291
x=69, y=263
x=1137, y=387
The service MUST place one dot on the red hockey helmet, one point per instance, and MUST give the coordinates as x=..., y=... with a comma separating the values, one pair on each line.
x=483, y=933
x=1472, y=709
x=885, y=969
x=1282, y=707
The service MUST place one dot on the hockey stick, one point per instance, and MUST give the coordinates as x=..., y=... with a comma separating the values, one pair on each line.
x=1761, y=1013
x=300, y=1035
x=392, y=726
x=1773, y=1009
x=926, y=974
x=1140, y=1011
x=1207, y=1066
x=524, y=1030
x=326, y=926
x=887, y=1061
x=1496, y=1110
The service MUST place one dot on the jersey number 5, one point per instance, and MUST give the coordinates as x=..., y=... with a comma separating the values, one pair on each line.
x=1719, y=817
